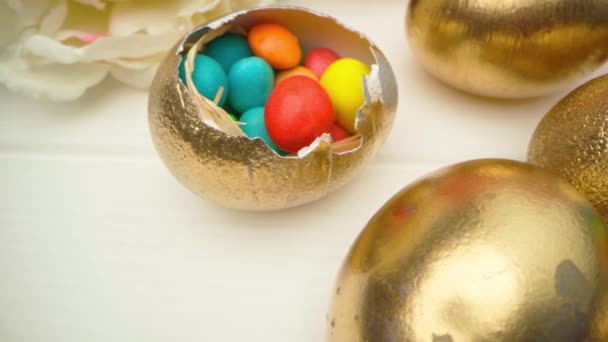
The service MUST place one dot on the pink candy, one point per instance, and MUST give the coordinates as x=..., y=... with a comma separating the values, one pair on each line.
x=319, y=59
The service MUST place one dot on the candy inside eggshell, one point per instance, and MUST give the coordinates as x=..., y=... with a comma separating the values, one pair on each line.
x=210, y=154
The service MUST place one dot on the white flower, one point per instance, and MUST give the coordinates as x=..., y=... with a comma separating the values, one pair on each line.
x=57, y=49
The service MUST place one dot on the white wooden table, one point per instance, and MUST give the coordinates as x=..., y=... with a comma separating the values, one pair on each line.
x=99, y=243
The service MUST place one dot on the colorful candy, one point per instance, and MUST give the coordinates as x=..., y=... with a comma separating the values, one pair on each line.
x=275, y=44
x=338, y=133
x=319, y=59
x=208, y=76
x=228, y=49
x=323, y=96
x=343, y=81
x=297, y=112
x=250, y=80
x=254, y=127
x=299, y=70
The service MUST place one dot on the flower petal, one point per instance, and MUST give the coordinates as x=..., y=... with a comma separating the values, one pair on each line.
x=135, y=78
x=54, y=19
x=244, y=4
x=15, y=5
x=9, y=25
x=86, y=18
x=98, y=4
x=29, y=11
x=104, y=48
x=150, y=15
x=138, y=63
x=53, y=82
x=56, y=49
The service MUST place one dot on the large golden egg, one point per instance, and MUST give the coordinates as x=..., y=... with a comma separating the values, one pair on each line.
x=487, y=250
x=508, y=48
x=244, y=173
x=572, y=141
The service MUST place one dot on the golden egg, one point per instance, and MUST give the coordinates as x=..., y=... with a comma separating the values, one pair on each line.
x=572, y=141
x=508, y=49
x=223, y=165
x=486, y=250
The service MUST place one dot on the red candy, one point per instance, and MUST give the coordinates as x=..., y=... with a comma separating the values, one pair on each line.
x=338, y=133
x=319, y=59
x=298, y=111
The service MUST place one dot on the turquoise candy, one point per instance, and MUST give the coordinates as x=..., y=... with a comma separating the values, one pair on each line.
x=254, y=127
x=251, y=80
x=208, y=76
x=228, y=49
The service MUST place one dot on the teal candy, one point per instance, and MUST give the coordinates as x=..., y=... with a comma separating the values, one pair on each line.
x=255, y=128
x=208, y=76
x=250, y=80
x=228, y=49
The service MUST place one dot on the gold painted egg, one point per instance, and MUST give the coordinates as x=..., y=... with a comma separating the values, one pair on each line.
x=486, y=250
x=572, y=141
x=508, y=49
x=207, y=152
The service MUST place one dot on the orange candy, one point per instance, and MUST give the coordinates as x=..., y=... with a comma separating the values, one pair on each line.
x=297, y=71
x=275, y=44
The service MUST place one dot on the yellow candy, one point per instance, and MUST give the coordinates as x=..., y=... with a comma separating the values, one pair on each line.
x=343, y=81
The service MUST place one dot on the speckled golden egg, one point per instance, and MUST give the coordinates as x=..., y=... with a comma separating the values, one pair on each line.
x=486, y=250
x=508, y=49
x=227, y=167
x=572, y=141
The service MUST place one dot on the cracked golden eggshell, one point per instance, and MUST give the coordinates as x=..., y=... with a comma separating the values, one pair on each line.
x=243, y=173
x=508, y=49
x=485, y=250
x=572, y=141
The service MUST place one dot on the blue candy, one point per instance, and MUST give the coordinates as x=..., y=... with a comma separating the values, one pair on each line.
x=208, y=76
x=255, y=128
x=228, y=49
x=251, y=80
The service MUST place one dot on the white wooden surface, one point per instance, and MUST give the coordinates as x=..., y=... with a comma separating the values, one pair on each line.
x=99, y=243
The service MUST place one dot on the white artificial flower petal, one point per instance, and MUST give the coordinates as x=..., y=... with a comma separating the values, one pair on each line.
x=98, y=4
x=104, y=48
x=134, y=16
x=15, y=5
x=137, y=63
x=135, y=78
x=9, y=25
x=29, y=11
x=83, y=37
x=53, y=82
x=190, y=8
x=52, y=50
x=53, y=20
x=86, y=18
x=175, y=25
x=244, y=4
x=134, y=46
x=59, y=48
